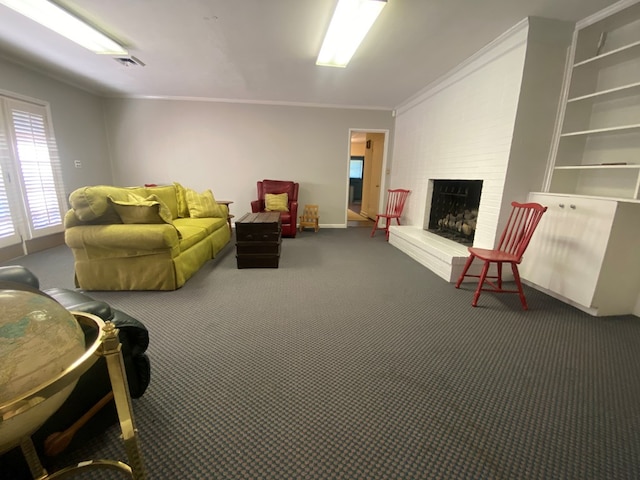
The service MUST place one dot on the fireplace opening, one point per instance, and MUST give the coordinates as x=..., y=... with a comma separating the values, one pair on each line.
x=454, y=209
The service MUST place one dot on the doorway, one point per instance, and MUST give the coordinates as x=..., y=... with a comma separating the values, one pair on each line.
x=367, y=156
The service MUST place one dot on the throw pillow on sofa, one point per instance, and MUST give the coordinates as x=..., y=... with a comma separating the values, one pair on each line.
x=276, y=202
x=142, y=210
x=181, y=197
x=203, y=205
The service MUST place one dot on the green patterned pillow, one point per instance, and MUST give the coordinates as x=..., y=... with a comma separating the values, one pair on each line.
x=181, y=197
x=276, y=202
x=142, y=210
x=203, y=205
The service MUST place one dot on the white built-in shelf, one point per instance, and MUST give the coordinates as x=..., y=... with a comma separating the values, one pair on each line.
x=633, y=166
x=595, y=131
x=592, y=189
x=619, y=55
x=609, y=94
x=599, y=132
x=593, y=197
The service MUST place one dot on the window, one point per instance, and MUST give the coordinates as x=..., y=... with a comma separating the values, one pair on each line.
x=355, y=167
x=31, y=189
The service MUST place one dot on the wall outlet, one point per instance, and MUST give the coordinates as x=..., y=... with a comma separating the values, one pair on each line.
x=77, y=163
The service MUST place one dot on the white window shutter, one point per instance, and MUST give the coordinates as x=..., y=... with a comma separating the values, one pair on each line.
x=8, y=231
x=39, y=167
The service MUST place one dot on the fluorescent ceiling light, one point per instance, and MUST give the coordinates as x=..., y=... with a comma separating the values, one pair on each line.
x=350, y=23
x=62, y=22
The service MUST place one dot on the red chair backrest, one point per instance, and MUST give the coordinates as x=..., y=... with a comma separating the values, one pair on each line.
x=395, y=201
x=523, y=220
x=278, y=186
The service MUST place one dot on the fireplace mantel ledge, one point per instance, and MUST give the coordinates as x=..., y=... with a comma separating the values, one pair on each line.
x=445, y=258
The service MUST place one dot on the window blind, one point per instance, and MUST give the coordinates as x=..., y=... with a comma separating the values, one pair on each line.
x=31, y=190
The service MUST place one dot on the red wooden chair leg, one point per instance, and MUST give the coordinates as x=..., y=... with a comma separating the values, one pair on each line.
x=499, y=267
x=375, y=226
x=464, y=270
x=516, y=275
x=483, y=275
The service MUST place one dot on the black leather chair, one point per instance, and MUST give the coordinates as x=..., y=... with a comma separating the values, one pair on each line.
x=94, y=385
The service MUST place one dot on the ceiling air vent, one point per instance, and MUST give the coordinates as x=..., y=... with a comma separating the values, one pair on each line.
x=130, y=61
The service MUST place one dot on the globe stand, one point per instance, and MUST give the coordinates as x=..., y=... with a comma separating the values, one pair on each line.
x=108, y=346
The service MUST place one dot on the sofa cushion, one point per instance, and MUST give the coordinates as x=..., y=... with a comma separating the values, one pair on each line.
x=168, y=194
x=90, y=203
x=276, y=202
x=181, y=198
x=190, y=235
x=203, y=205
x=142, y=210
x=210, y=224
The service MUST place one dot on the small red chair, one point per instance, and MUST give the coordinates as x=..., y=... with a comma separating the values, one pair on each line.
x=395, y=204
x=523, y=220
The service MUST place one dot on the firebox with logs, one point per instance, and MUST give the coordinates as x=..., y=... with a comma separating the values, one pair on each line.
x=454, y=209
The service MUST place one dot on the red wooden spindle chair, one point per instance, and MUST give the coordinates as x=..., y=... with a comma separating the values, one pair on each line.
x=523, y=220
x=395, y=204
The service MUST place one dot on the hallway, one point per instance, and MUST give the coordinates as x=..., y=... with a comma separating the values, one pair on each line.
x=354, y=219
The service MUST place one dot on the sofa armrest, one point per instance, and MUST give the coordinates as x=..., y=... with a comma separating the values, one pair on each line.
x=293, y=209
x=19, y=274
x=126, y=237
x=77, y=301
x=257, y=206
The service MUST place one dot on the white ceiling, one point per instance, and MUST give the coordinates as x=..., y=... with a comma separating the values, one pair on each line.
x=265, y=50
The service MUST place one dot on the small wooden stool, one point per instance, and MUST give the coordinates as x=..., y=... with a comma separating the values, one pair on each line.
x=309, y=217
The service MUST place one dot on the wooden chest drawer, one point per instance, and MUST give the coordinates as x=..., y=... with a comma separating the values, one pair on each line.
x=258, y=240
x=258, y=248
x=254, y=236
x=258, y=261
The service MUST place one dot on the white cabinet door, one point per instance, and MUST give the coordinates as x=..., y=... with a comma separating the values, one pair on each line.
x=538, y=261
x=581, y=243
x=567, y=250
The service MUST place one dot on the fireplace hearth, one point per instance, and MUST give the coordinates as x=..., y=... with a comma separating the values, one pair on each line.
x=454, y=209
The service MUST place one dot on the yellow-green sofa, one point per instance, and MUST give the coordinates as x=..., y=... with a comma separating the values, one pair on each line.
x=142, y=238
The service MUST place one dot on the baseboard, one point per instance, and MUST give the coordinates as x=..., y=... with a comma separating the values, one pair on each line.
x=31, y=246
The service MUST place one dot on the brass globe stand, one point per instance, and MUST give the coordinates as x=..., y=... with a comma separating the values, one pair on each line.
x=108, y=346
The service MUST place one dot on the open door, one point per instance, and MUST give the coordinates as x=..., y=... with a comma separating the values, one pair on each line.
x=372, y=178
x=365, y=179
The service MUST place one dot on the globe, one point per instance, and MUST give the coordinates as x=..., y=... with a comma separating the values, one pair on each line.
x=39, y=339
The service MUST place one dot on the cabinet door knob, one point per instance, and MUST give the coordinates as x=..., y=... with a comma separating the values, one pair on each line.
x=561, y=205
x=572, y=206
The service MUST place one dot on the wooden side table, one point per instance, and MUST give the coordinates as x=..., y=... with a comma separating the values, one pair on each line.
x=229, y=216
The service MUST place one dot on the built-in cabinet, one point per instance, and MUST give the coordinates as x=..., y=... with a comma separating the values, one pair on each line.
x=585, y=251
x=586, y=248
x=597, y=147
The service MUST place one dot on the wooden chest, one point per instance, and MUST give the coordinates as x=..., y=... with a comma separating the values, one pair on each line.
x=258, y=240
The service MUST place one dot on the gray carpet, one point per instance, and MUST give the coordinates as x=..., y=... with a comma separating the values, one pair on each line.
x=353, y=361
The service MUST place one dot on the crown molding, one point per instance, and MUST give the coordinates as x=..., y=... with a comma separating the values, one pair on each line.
x=512, y=38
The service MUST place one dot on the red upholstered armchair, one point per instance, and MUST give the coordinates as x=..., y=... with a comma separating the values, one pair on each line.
x=289, y=218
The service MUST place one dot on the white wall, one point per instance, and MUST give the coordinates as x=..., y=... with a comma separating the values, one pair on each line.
x=78, y=122
x=462, y=128
x=229, y=146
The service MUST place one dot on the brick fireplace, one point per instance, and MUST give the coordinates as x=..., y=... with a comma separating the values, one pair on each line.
x=452, y=218
x=492, y=119
x=451, y=221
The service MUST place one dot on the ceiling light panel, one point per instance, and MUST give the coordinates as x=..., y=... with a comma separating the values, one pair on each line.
x=60, y=21
x=351, y=21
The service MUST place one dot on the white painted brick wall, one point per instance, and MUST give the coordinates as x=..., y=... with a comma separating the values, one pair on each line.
x=461, y=128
